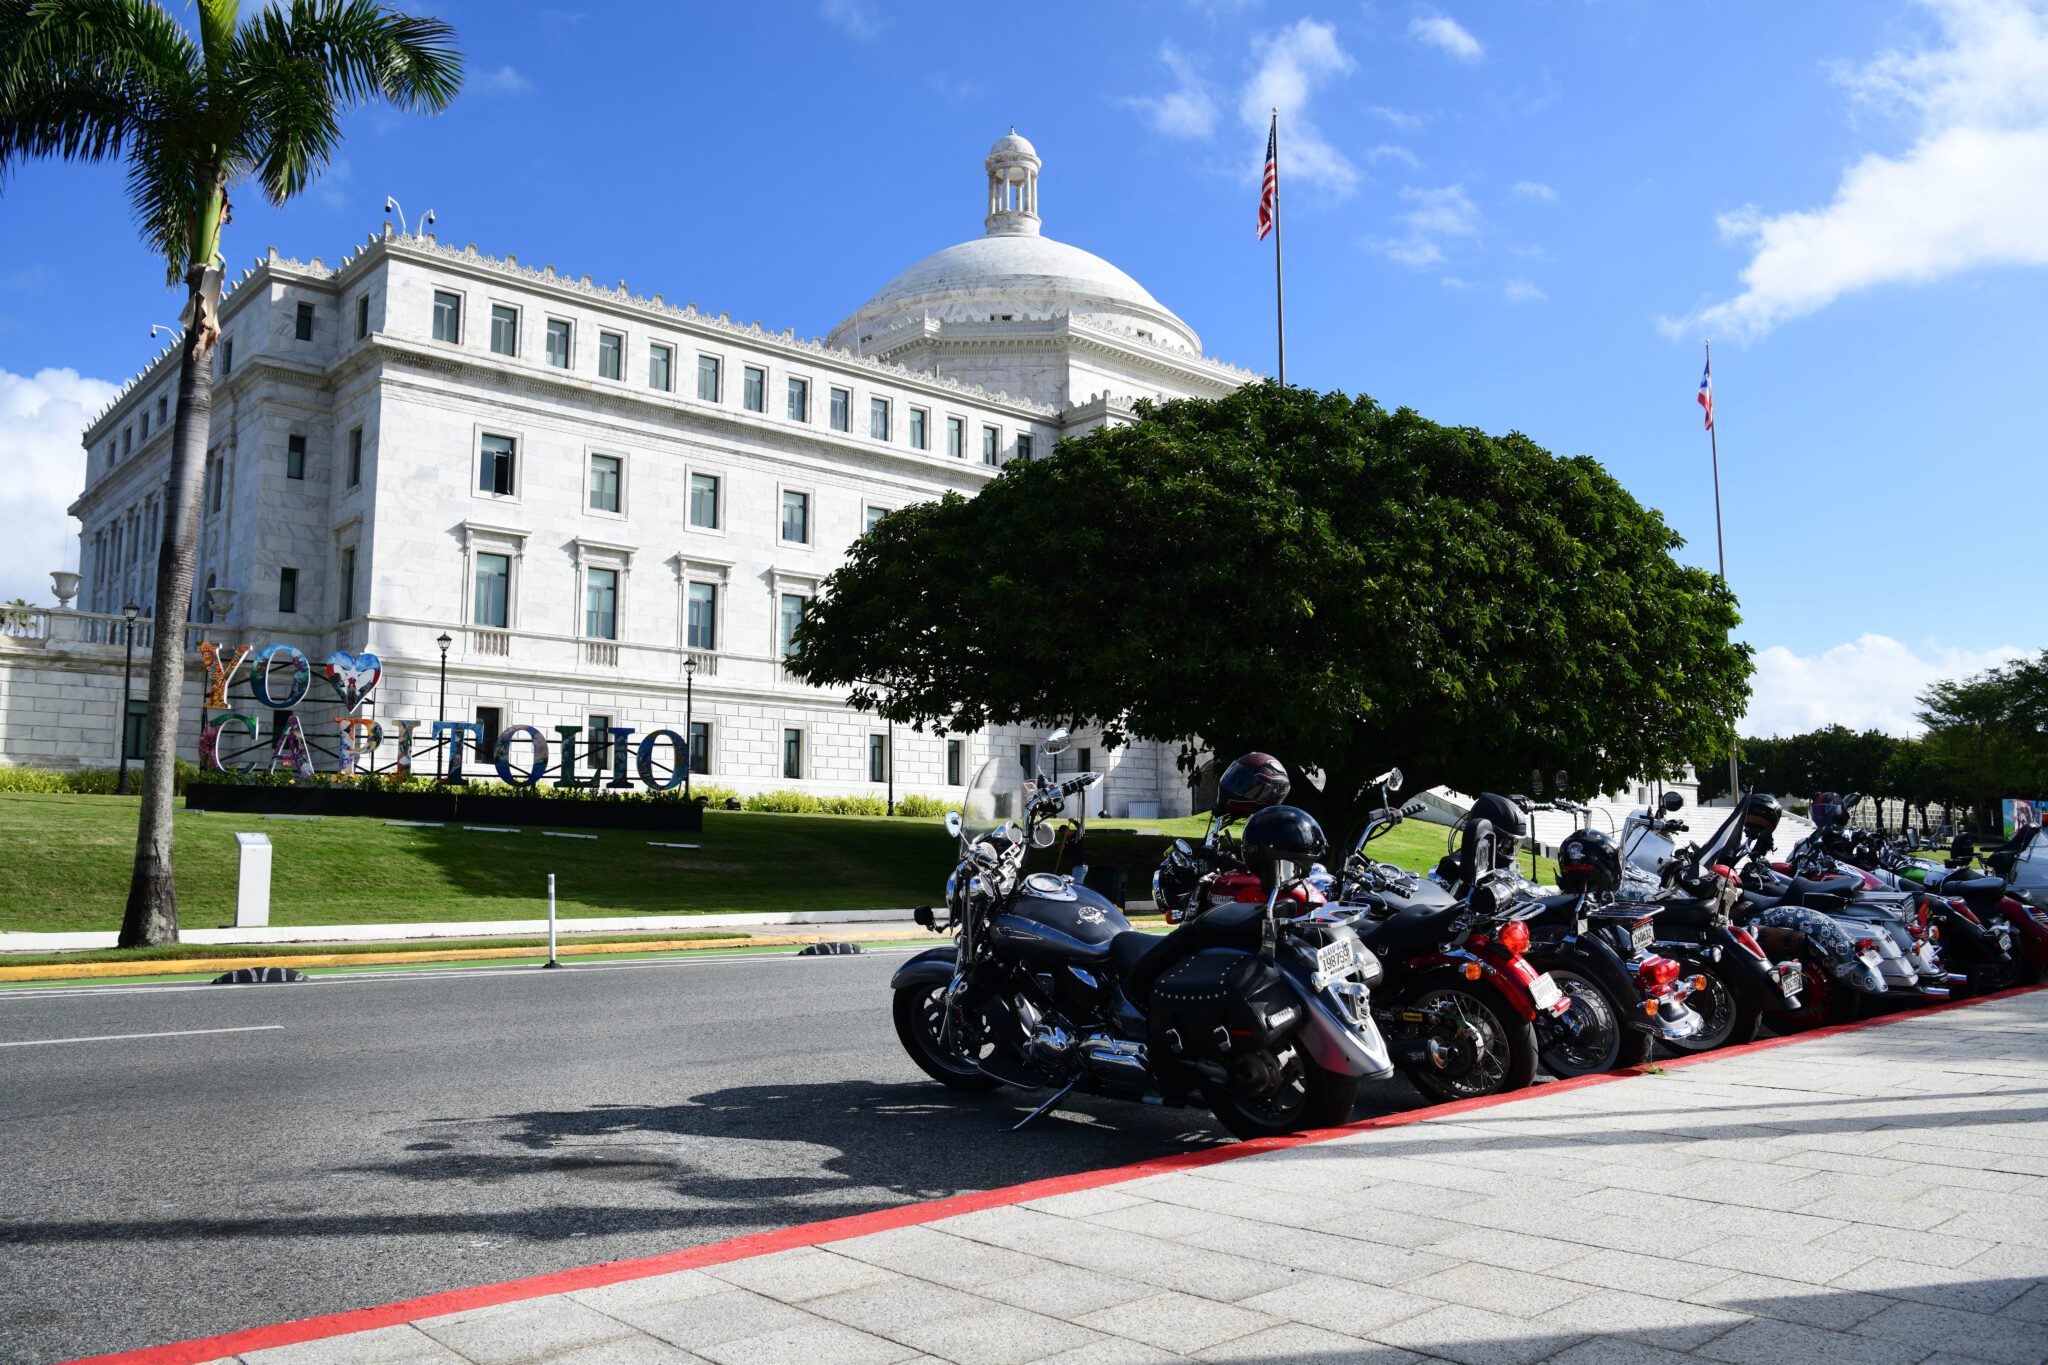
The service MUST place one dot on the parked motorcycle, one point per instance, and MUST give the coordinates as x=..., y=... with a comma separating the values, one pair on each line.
x=1263, y=1016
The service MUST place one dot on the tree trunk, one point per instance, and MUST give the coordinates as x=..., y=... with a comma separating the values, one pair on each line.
x=152, y=914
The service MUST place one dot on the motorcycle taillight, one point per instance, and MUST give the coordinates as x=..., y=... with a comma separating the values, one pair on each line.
x=1750, y=945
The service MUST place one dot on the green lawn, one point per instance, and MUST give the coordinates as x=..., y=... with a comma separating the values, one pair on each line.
x=64, y=863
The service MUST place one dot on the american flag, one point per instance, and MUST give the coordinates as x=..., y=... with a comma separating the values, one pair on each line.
x=1269, y=194
x=1707, y=394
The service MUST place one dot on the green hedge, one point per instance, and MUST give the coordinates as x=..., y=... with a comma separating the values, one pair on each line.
x=87, y=781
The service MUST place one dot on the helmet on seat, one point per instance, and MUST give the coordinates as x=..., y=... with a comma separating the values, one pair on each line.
x=1251, y=784
x=1588, y=864
x=1280, y=834
x=1761, y=813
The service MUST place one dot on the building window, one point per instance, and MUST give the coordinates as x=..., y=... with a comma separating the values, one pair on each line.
x=447, y=316
x=355, y=456
x=601, y=603
x=875, y=514
x=302, y=322
x=362, y=317
x=145, y=424
x=796, y=517
x=489, y=720
x=135, y=730
x=878, y=418
x=956, y=438
x=611, y=355
x=504, y=329
x=786, y=621
x=700, y=746
x=707, y=378
x=799, y=400
x=497, y=469
x=348, y=584
x=295, y=457
x=1024, y=758
x=558, y=343
x=597, y=741
x=493, y=590
x=991, y=446
x=287, y=591
x=704, y=501
x=793, y=754
x=661, y=367
x=878, y=758
x=842, y=410
x=604, y=483
x=219, y=478
x=127, y=440
x=1023, y=446
x=954, y=759
x=754, y=389
x=227, y=356
x=163, y=407
x=700, y=620
x=919, y=438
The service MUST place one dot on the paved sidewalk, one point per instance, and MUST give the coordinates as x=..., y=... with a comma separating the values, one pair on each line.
x=1878, y=1195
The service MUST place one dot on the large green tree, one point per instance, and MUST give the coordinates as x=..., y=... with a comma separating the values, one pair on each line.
x=193, y=116
x=1302, y=572
x=1990, y=731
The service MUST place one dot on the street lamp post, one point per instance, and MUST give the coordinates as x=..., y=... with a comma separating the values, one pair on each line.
x=441, y=708
x=889, y=767
x=689, y=722
x=129, y=613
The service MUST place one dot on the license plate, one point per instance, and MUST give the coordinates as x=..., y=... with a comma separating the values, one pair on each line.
x=1791, y=980
x=1872, y=960
x=1644, y=935
x=1334, y=961
x=1545, y=992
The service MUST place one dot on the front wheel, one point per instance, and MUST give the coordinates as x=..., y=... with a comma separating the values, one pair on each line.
x=1730, y=1015
x=1272, y=1094
x=920, y=1013
x=1481, y=1046
x=1604, y=1042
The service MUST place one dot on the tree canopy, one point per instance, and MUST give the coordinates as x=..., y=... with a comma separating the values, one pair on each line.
x=1307, y=573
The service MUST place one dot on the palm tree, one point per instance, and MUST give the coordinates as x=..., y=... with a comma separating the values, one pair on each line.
x=193, y=118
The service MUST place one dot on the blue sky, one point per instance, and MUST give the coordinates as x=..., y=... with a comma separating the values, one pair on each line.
x=1521, y=215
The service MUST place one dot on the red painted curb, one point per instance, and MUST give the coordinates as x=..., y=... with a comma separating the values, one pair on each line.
x=909, y=1215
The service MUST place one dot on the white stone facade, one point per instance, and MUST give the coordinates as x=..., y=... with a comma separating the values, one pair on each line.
x=658, y=455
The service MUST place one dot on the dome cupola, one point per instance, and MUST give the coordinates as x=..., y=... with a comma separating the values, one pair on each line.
x=1012, y=187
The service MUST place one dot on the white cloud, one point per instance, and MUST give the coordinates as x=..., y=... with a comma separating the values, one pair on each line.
x=858, y=19
x=504, y=81
x=1388, y=151
x=1293, y=63
x=1521, y=291
x=41, y=419
x=1447, y=35
x=1536, y=189
x=1406, y=122
x=1188, y=110
x=1439, y=215
x=1872, y=682
x=1971, y=191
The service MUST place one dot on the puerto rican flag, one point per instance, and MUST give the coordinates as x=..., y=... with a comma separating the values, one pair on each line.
x=1707, y=394
x=1269, y=193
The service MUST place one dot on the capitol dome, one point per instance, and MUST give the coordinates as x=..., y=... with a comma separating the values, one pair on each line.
x=1013, y=275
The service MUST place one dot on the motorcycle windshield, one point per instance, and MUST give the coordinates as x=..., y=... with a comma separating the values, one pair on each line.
x=980, y=811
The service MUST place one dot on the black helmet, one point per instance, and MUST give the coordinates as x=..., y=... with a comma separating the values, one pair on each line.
x=1761, y=813
x=1281, y=833
x=1504, y=815
x=1588, y=863
x=1830, y=810
x=1251, y=784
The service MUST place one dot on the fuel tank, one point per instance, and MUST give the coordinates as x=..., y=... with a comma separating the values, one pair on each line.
x=1053, y=920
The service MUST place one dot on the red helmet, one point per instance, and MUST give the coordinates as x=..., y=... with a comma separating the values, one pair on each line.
x=1251, y=784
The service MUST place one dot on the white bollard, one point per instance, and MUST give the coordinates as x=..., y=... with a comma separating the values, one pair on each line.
x=551, y=962
x=252, y=889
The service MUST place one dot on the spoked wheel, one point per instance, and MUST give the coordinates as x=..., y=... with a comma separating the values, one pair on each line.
x=920, y=1013
x=1271, y=1094
x=1730, y=1017
x=1488, y=1049
x=1603, y=1041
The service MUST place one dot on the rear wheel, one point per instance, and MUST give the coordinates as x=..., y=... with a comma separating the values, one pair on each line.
x=1604, y=1042
x=920, y=1014
x=1824, y=1000
x=1272, y=1094
x=1487, y=1048
x=1731, y=1016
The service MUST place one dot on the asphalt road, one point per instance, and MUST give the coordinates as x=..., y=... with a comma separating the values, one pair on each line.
x=361, y=1139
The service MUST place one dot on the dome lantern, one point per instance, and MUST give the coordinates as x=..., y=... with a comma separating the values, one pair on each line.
x=1012, y=187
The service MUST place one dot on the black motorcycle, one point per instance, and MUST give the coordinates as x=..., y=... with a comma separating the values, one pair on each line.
x=1262, y=1017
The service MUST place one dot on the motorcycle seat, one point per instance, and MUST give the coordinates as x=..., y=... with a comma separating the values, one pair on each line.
x=1406, y=933
x=1138, y=959
x=1682, y=914
x=1976, y=888
x=1800, y=887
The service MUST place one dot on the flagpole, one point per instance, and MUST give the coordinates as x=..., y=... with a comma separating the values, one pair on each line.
x=1721, y=556
x=1279, y=290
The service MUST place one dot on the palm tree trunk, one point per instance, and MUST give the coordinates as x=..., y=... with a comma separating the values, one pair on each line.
x=152, y=914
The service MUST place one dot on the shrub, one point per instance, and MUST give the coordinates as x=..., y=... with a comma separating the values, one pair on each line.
x=922, y=807
x=784, y=802
x=36, y=780
x=855, y=805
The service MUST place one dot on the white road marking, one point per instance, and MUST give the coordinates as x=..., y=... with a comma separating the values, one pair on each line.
x=124, y=1037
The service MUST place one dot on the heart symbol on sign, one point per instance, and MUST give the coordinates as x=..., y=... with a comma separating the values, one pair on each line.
x=353, y=676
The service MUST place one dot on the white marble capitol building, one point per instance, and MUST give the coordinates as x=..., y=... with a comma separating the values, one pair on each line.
x=586, y=488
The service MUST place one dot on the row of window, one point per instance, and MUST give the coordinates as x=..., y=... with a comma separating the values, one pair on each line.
x=288, y=588
x=491, y=604
x=295, y=460
x=120, y=446
x=559, y=349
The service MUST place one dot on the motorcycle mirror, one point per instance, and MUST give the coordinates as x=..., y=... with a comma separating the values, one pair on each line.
x=1393, y=780
x=1182, y=846
x=1672, y=801
x=1058, y=742
x=1315, y=777
x=953, y=823
x=1558, y=782
x=1535, y=782
x=1042, y=836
